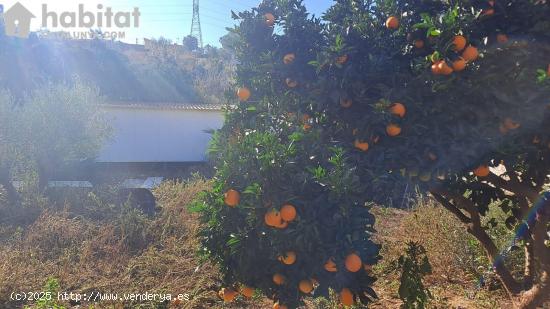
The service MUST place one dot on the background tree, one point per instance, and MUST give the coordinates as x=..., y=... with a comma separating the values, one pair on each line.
x=191, y=43
x=52, y=127
x=8, y=138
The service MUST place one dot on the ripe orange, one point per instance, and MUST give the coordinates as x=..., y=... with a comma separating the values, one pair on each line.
x=444, y=68
x=305, y=286
x=247, y=291
x=436, y=70
x=398, y=109
x=278, y=306
x=288, y=258
x=502, y=38
x=511, y=124
x=488, y=12
x=342, y=59
x=232, y=198
x=279, y=279
x=288, y=213
x=353, y=263
x=418, y=44
x=269, y=19
x=482, y=171
x=459, y=64
x=346, y=103
x=228, y=295
x=470, y=53
x=289, y=58
x=291, y=83
x=502, y=129
x=243, y=93
x=459, y=42
x=363, y=146
x=306, y=119
x=346, y=297
x=273, y=218
x=393, y=129
x=330, y=266
x=392, y=22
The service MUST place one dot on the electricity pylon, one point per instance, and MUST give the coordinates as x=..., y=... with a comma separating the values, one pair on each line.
x=196, y=25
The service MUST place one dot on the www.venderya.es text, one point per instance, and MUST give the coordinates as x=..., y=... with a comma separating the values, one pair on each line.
x=99, y=297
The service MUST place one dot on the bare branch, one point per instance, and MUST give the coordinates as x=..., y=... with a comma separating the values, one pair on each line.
x=452, y=208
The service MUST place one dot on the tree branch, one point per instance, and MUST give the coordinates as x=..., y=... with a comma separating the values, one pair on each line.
x=474, y=227
x=452, y=208
x=515, y=187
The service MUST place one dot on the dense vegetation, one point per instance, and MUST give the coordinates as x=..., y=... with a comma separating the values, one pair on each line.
x=50, y=129
x=384, y=97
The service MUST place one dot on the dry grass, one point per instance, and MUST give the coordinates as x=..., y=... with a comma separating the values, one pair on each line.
x=132, y=253
x=456, y=258
x=86, y=255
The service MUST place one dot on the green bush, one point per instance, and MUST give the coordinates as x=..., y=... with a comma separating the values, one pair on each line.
x=414, y=265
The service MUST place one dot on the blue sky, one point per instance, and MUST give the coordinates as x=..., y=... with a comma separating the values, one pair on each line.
x=168, y=18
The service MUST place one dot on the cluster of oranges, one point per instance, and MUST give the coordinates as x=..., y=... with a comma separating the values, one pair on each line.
x=468, y=54
x=352, y=263
x=228, y=295
x=392, y=129
x=399, y=110
x=280, y=219
x=273, y=217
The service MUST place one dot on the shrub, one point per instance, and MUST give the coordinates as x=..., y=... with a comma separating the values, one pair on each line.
x=414, y=265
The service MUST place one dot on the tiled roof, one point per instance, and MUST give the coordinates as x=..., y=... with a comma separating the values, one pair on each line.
x=165, y=106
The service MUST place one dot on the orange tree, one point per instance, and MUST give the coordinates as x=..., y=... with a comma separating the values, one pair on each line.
x=443, y=92
x=287, y=214
x=450, y=98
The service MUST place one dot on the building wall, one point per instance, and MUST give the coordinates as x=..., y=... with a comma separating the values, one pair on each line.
x=159, y=135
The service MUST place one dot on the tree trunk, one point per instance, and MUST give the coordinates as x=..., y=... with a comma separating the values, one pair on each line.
x=537, y=295
x=534, y=290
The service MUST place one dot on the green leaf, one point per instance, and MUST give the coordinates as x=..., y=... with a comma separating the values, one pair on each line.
x=421, y=26
x=434, y=32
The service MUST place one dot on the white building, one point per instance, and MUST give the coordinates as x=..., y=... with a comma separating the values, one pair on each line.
x=145, y=133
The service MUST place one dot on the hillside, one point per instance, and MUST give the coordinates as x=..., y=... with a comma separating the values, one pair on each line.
x=161, y=72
